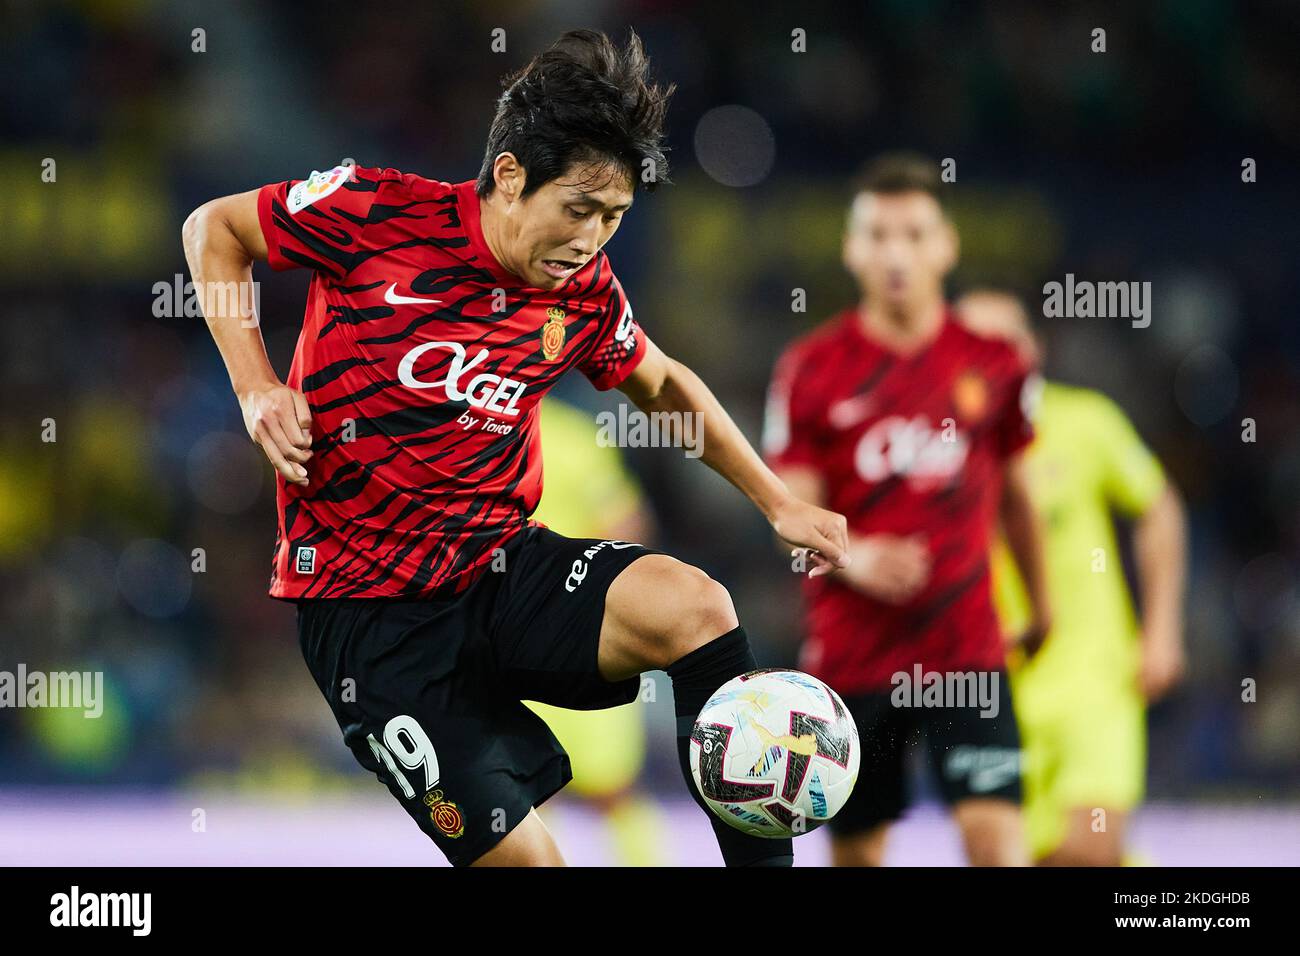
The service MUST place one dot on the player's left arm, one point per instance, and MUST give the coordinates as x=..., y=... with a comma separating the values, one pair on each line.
x=1024, y=535
x=662, y=384
x=1160, y=552
x=1136, y=486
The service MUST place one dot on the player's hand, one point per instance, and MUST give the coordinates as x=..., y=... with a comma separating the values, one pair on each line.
x=1163, y=666
x=888, y=567
x=1031, y=639
x=278, y=418
x=823, y=534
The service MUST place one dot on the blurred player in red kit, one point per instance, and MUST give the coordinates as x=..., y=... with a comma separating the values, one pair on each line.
x=896, y=416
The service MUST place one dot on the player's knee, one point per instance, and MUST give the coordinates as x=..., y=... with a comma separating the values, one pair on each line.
x=528, y=844
x=992, y=837
x=993, y=846
x=1095, y=849
x=865, y=850
x=984, y=848
x=1083, y=845
x=703, y=611
x=1103, y=856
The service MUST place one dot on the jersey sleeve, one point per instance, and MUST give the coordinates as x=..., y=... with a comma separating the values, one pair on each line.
x=620, y=345
x=1131, y=476
x=792, y=433
x=1015, y=425
x=319, y=222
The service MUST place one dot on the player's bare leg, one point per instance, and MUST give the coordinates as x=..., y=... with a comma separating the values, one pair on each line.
x=657, y=611
x=991, y=831
x=663, y=614
x=860, y=849
x=1084, y=846
x=528, y=844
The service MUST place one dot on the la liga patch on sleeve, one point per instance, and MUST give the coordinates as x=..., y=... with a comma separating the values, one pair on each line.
x=316, y=187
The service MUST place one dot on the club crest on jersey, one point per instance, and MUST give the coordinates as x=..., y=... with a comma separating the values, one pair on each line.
x=970, y=395
x=446, y=816
x=316, y=187
x=553, y=334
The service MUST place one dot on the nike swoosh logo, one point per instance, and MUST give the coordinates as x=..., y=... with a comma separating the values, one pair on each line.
x=992, y=775
x=392, y=298
x=847, y=412
x=982, y=781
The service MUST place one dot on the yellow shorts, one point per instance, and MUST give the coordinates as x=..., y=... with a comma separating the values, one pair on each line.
x=1081, y=750
x=605, y=747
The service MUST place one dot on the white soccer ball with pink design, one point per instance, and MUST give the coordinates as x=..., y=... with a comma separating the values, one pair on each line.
x=775, y=753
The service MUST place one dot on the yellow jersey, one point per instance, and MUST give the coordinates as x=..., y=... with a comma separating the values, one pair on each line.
x=1086, y=465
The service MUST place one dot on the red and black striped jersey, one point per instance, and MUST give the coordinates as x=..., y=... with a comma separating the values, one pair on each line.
x=904, y=444
x=423, y=361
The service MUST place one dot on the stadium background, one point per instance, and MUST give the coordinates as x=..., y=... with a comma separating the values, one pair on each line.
x=1116, y=166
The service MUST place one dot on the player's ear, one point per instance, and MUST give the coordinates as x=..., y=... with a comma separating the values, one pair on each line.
x=847, y=245
x=509, y=176
x=953, y=243
x=1034, y=349
x=851, y=248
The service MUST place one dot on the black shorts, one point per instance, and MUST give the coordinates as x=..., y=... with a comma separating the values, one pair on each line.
x=972, y=755
x=428, y=692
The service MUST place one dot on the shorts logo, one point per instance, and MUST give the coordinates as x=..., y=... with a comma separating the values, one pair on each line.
x=553, y=334
x=985, y=768
x=848, y=412
x=445, y=815
x=317, y=186
x=578, y=571
x=306, y=561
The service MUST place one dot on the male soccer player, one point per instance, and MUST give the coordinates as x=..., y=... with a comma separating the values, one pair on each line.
x=1081, y=701
x=895, y=415
x=408, y=456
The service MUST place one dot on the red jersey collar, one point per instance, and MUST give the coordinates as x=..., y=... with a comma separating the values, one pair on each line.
x=467, y=200
x=854, y=327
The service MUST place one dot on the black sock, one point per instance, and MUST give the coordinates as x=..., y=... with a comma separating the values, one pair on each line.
x=696, y=677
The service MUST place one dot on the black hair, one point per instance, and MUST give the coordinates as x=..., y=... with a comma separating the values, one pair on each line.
x=583, y=100
x=900, y=172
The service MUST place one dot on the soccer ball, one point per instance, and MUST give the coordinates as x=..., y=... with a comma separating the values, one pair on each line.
x=775, y=753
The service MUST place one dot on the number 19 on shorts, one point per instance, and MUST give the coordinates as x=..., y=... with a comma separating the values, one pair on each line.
x=405, y=740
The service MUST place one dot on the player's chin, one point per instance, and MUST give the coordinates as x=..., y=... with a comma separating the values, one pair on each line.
x=541, y=280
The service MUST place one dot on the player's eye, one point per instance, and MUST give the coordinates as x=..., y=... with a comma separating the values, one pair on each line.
x=577, y=213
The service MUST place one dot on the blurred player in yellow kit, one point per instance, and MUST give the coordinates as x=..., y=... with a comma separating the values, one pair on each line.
x=587, y=493
x=1081, y=700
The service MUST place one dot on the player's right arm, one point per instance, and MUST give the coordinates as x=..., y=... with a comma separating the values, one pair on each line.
x=222, y=238
x=886, y=567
